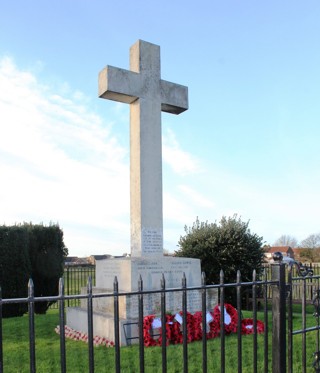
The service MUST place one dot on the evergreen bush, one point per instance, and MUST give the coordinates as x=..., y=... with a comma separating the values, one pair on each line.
x=47, y=253
x=15, y=268
x=30, y=251
x=227, y=246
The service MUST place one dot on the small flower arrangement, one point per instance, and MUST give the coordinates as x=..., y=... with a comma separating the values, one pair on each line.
x=80, y=336
x=247, y=326
x=147, y=328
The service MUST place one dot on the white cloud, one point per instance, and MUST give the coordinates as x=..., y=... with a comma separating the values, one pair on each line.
x=181, y=162
x=59, y=161
x=196, y=198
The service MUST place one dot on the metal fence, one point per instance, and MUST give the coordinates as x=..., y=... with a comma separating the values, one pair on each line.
x=75, y=278
x=278, y=316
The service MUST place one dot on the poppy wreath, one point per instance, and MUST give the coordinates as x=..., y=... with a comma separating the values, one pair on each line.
x=247, y=326
x=230, y=327
x=169, y=330
x=197, y=322
x=177, y=335
x=147, y=326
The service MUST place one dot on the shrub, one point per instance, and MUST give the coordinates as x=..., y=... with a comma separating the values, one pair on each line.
x=47, y=253
x=15, y=268
x=30, y=251
x=229, y=246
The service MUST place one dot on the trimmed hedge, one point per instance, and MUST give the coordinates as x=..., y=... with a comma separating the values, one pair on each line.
x=30, y=251
x=15, y=268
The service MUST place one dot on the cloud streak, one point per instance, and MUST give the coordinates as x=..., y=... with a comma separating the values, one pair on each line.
x=59, y=161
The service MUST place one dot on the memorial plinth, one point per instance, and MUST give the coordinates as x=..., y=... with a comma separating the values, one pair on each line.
x=128, y=272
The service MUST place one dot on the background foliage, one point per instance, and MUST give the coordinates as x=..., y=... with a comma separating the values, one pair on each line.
x=30, y=251
x=15, y=268
x=228, y=245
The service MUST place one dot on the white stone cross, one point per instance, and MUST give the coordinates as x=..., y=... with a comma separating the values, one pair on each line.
x=148, y=95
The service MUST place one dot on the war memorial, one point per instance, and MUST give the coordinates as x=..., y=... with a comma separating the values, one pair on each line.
x=148, y=95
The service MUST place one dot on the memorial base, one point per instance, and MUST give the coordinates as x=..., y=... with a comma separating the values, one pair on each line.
x=128, y=272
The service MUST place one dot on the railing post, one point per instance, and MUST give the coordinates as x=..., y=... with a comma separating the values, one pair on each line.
x=222, y=330
x=62, y=325
x=184, y=324
x=279, y=350
x=68, y=282
x=1, y=337
x=204, y=323
x=266, y=321
x=254, y=311
x=116, y=324
x=90, y=325
x=163, y=324
x=32, y=339
x=290, y=322
x=239, y=321
x=141, y=340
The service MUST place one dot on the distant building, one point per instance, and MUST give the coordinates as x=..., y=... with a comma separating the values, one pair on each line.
x=285, y=250
x=75, y=261
x=93, y=258
x=297, y=254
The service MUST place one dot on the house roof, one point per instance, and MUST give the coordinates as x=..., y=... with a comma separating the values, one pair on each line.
x=101, y=257
x=297, y=250
x=74, y=260
x=281, y=249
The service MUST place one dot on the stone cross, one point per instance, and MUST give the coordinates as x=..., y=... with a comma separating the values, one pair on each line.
x=148, y=95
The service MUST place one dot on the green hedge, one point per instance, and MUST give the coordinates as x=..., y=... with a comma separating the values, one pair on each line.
x=30, y=251
x=15, y=268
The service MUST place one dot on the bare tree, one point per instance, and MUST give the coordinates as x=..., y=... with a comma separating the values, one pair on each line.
x=311, y=242
x=286, y=240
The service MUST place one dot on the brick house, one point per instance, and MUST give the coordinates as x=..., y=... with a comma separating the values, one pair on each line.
x=285, y=250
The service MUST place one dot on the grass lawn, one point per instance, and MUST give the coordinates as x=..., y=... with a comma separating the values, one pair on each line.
x=16, y=350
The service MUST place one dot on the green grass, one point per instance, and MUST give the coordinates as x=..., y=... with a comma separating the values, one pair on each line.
x=16, y=350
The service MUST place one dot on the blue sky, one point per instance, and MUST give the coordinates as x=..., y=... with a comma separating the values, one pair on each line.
x=248, y=145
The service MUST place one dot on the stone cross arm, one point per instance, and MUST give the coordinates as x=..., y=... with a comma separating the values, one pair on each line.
x=174, y=97
x=127, y=86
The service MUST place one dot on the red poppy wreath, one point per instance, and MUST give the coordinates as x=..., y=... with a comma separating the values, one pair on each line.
x=247, y=326
x=213, y=327
x=230, y=317
x=177, y=336
x=169, y=330
x=147, y=326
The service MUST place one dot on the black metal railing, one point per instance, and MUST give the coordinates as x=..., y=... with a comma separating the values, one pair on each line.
x=279, y=311
x=63, y=299
x=308, y=285
x=75, y=279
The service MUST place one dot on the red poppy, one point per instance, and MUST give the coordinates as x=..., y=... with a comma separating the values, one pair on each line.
x=212, y=331
x=177, y=336
x=147, y=326
x=247, y=326
x=169, y=330
x=230, y=317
